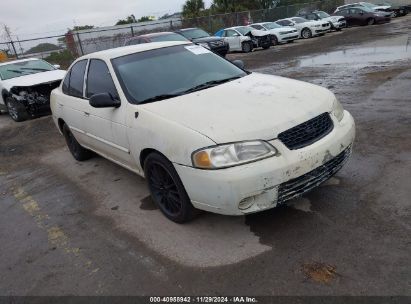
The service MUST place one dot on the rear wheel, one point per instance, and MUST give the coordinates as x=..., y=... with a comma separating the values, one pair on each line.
x=79, y=153
x=167, y=190
x=17, y=111
x=247, y=47
x=371, y=21
x=306, y=33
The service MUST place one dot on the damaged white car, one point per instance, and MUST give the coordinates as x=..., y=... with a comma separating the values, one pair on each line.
x=203, y=132
x=25, y=87
x=306, y=28
x=245, y=38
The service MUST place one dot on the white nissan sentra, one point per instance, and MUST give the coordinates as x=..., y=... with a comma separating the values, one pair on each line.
x=203, y=132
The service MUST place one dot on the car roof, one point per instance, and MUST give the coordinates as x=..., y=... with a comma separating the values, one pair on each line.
x=131, y=49
x=18, y=60
x=188, y=29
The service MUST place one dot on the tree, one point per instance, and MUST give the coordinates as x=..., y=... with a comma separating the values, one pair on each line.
x=144, y=19
x=43, y=47
x=128, y=20
x=193, y=8
x=226, y=6
x=82, y=27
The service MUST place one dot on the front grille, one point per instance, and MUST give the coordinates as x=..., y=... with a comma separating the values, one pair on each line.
x=298, y=186
x=307, y=133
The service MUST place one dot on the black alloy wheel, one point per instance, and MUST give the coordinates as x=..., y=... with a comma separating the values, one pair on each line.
x=167, y=190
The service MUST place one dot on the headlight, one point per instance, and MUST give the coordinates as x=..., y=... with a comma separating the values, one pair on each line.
x=283, y=33
x=229, y=155
x=317, y=25
x=338, y=110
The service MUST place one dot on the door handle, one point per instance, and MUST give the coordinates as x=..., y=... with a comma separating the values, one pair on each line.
x=86, y=114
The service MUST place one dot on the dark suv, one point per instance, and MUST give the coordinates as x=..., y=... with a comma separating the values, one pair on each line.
x=201, y=37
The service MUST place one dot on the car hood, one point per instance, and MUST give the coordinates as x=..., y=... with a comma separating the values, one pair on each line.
x=34, y=79
x=259, y=33
x=382, y=7
x=208, y=39
x=256, y=106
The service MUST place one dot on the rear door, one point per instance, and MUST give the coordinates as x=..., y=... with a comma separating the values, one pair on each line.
x=106, y=127
x=72, y=104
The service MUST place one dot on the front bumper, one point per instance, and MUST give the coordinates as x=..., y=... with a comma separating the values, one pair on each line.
x=221, y=191
x=339, y=24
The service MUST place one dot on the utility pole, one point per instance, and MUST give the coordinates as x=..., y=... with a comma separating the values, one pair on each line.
x=8, y=34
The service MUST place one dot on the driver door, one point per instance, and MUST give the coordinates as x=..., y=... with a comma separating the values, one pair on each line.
x=106, y=127
x=233, y=39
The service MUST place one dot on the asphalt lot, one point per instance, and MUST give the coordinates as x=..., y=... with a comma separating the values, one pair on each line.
x=70, y=228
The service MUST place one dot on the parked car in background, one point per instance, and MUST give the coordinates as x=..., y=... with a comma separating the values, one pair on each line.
x=204, y=133
x=155, y=37
x=25, y=87
x=245, y=38
x=364, y=5
x=363, y=16
x=397, y=10
x=279, y=34
x=201, y=37
x=306, y=28
x=337, y=22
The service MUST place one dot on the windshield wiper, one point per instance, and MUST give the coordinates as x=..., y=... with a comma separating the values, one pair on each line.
x=210, y=84
x=159, y=97
x=35, y=69
x=16, y=71
x=202, y=86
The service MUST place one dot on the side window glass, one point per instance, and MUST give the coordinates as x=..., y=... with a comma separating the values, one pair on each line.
x=230, y=33
x=66, y=83
x=77, y=79
x=99, y=79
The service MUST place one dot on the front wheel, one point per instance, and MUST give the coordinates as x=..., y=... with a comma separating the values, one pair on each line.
x=167, y=190
x=79, y=153
x=247, y=47
x=17, y=111
x=274, y=40
x=306, y=33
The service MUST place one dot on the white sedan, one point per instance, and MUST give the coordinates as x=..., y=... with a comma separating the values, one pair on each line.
x=245, y=38
x=25, y=87
x=203, y=132
x=279, y=34
x=306, y=28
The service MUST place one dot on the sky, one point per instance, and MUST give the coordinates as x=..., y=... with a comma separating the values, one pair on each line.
x=36, y=18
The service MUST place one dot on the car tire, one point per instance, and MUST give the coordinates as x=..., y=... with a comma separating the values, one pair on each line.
x=370, y=21
x=394, y=14
x=16, y=110
x=167, y=189
x=247, y=47
x=79, y=153
x=266, y=46
x=306, y=33
x=274, y=40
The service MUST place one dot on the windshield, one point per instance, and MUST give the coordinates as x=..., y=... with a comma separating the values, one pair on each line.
x=23, y=68
x=195, y=34
x=167, y=37
x=170, y=71
x=369, y=5
x=323, y=14
x=366, y=9
x=272, y=25
x=244, y=29
x=299, y=20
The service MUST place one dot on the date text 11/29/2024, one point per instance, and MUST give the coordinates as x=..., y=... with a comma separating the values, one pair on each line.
x=205, y=299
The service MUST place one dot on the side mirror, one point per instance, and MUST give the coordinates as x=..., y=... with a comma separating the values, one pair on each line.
x=104, y=100
x=239, y=64
x=57, y=66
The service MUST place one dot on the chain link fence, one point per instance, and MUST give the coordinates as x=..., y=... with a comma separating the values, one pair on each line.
x=63, y=49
